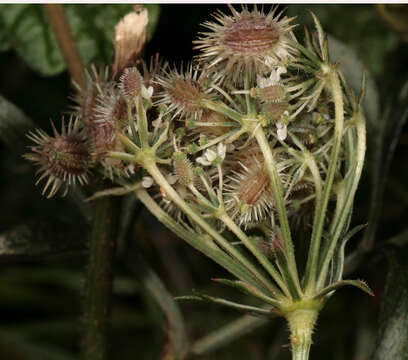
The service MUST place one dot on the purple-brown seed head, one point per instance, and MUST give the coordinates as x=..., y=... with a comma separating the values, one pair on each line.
x=248, y=42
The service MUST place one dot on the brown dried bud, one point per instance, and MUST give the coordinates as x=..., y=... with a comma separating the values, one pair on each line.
x=130, y=38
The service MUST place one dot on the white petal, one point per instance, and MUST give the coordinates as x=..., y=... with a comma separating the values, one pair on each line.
x=282, y=131
x=221, y=150
x=147, y=182
x=203, y=161
x=211, y=155
x=147, y=93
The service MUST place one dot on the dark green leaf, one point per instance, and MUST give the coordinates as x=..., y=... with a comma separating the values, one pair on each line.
x=14, y=125
x=359, y=26
x=26, y=29
x=249, y=290
x=357, y=283
x=240, y=307
x=40, y=238
x=392, y=338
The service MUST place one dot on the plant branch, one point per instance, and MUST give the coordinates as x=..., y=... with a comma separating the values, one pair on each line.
x=66, y=42
x=98, y=287
x=280, y=207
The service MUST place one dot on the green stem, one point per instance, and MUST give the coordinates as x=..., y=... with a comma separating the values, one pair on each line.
x=280, y=206
x=257, y=253
x=195, y=240
x=98, y=287
x=151, y=167
x=337, y=229
x=321, y=206
x=301, y=324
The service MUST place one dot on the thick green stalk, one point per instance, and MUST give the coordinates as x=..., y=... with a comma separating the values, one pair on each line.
x=321, y=206
x=301, y=318
x=301, y=323
x=98, y=283
x=280, y=207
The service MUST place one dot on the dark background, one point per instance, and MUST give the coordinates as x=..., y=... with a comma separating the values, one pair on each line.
x=40, y=298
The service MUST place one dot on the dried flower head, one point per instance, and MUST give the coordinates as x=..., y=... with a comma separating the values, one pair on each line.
x=183, y=93
x=248, y=42
x=130, y=38
x=64, y=158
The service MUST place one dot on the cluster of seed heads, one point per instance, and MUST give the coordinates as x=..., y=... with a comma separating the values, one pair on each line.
x=248, y=54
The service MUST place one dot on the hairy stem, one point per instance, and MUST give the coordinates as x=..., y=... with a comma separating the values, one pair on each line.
x=151, y=167
x=301, y=324
x=98, y=286
x=194, y=239
x=321, y=206
x=257, y=253
x=280, y=207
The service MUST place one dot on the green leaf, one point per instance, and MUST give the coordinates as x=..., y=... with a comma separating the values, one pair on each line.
x=25, y=28
x=240, y=307
x=14, y=125
x=333, y=287
x=155, y=287
x=392, y=337
x=249, y=290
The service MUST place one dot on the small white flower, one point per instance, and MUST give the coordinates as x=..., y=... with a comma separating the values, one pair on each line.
x=147, y=182
x=211, y=155
x=147, y=92
x=221, y=150
x=282, y=130
x=131, y=168
x=273, y=79
x=208, y=157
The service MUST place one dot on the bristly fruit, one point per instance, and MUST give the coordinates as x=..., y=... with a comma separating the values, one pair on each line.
x=130, y=83
x=64, y=158
x=183, y=93
x=248, y=42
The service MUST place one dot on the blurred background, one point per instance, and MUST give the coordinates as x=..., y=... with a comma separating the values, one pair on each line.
x=43, y=242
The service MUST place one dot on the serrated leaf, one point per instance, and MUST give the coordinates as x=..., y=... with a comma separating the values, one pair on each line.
x=392, y=337
x=14, y=125
x=25, y=28
x=335, y=286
